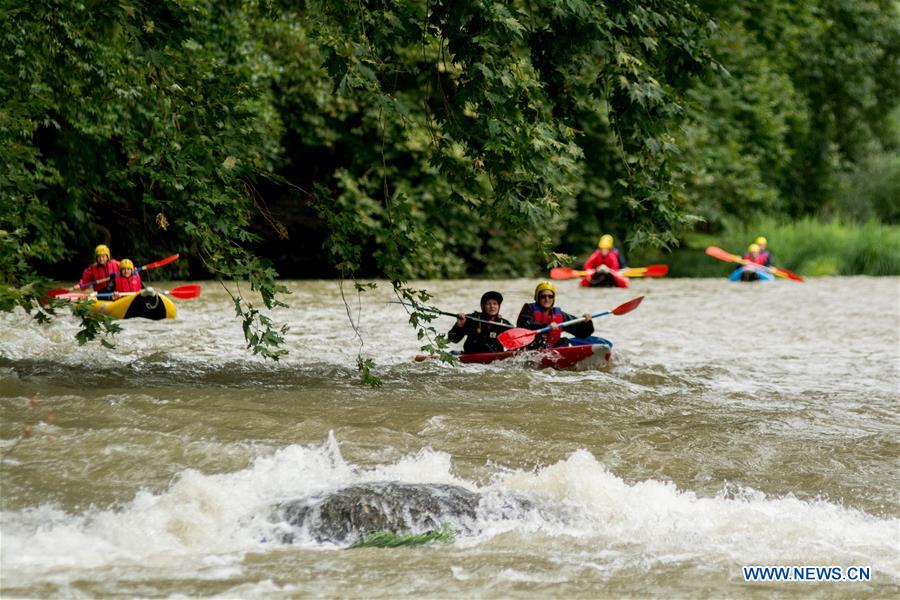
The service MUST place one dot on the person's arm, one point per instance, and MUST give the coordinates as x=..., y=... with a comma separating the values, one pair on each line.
x=457, y=332
x=579, y=329
x=593, y=261
x=85, y=278
x=613, y=261
x=621, y=258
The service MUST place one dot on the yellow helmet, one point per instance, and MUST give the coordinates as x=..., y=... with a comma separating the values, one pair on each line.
x=751, y=248
x=125, y=263
x=762, y=241
x=543, y=286
x=101, y=249
x=605, y=242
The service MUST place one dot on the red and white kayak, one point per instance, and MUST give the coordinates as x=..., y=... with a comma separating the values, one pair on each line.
x=557, y=358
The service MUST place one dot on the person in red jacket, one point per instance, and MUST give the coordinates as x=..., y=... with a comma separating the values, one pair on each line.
x=100, y=272
x=542, y=313
x=764, y=253
x=754, y=256
x=127, y=280
x=604, y=259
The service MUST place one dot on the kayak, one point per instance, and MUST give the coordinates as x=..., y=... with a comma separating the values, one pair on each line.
x=745, y=274
x=607, y=279
x=557, y=358
x=156, y=307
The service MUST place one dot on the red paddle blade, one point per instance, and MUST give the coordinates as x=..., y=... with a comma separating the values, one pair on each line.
x=656, y=271
x=624, y=308
x=160, y=263
x=185, y=292
x=722, y=255
x=516, y=338
x=562, y=273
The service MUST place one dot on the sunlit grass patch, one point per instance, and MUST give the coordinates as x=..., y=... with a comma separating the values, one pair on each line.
x=387, y=539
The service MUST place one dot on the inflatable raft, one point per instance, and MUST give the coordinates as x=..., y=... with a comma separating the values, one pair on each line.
x=155, y=307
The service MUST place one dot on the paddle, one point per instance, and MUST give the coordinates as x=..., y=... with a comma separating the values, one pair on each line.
x=152, y=265
x=567, y=273
x=449, y=314
x=650, y=271
x=716, y=252
x=516, y=338
x=182, y=292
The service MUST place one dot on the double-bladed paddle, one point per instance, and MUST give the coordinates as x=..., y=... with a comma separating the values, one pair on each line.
x=716, y=252
x=516, y=338
x=182, y=292
x=152, y=265
x=650, y=271
x=449, y=314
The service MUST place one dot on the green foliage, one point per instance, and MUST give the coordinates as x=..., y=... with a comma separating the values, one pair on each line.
x=428, y=139
x=143, y=125
x=387, y=539
x=805, y=93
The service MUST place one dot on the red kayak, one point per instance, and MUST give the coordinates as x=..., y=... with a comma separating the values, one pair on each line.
x=558, y=358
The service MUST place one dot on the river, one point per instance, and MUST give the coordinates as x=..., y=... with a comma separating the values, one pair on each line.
x=739, y=424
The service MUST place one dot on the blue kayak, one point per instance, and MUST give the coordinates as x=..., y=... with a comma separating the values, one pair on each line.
x=745, y=274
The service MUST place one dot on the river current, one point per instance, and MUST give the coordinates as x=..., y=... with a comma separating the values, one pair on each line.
x=739, y=424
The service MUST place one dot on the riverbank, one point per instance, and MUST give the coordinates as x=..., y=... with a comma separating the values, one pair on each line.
x=811, y=247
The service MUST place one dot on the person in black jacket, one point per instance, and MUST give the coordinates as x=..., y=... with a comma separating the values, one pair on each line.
x=481, y=337
x=543, y=313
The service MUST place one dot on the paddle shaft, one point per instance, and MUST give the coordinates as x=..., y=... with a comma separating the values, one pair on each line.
x=450, y=314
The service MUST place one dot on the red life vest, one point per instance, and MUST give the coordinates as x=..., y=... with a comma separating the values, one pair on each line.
x=611, y=260
x=759, y=260
x=128, y=284
x=96, y=272
x=764, y=257
x=543, y=318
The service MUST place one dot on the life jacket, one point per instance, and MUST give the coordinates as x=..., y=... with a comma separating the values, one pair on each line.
x=611, y=260
x=96, y=272
x=483, y=337
x=540, y=316
x=128, y=284
x=759, y=260
x=764, y=257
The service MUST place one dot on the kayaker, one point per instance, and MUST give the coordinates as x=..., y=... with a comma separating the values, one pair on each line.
x=481, y=337
x=543, y=312
x=764, y=251
x=605, y=258
x=753, y=255
x=102, y=269
x=127, y=280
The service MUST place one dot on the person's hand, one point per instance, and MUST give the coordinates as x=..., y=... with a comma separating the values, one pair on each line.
x=554, y=325
x=116, y=295
x=603, y=268
x=460, y=319
x=587, y=317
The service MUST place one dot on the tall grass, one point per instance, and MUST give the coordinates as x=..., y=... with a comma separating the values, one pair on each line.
x=811, y=247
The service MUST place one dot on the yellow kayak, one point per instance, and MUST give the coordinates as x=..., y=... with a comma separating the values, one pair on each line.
x=156, y=307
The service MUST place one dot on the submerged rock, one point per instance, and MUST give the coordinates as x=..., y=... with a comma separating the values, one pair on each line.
x=345, y=516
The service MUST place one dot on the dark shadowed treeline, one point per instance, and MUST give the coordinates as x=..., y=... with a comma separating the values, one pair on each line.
x=428, y=139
